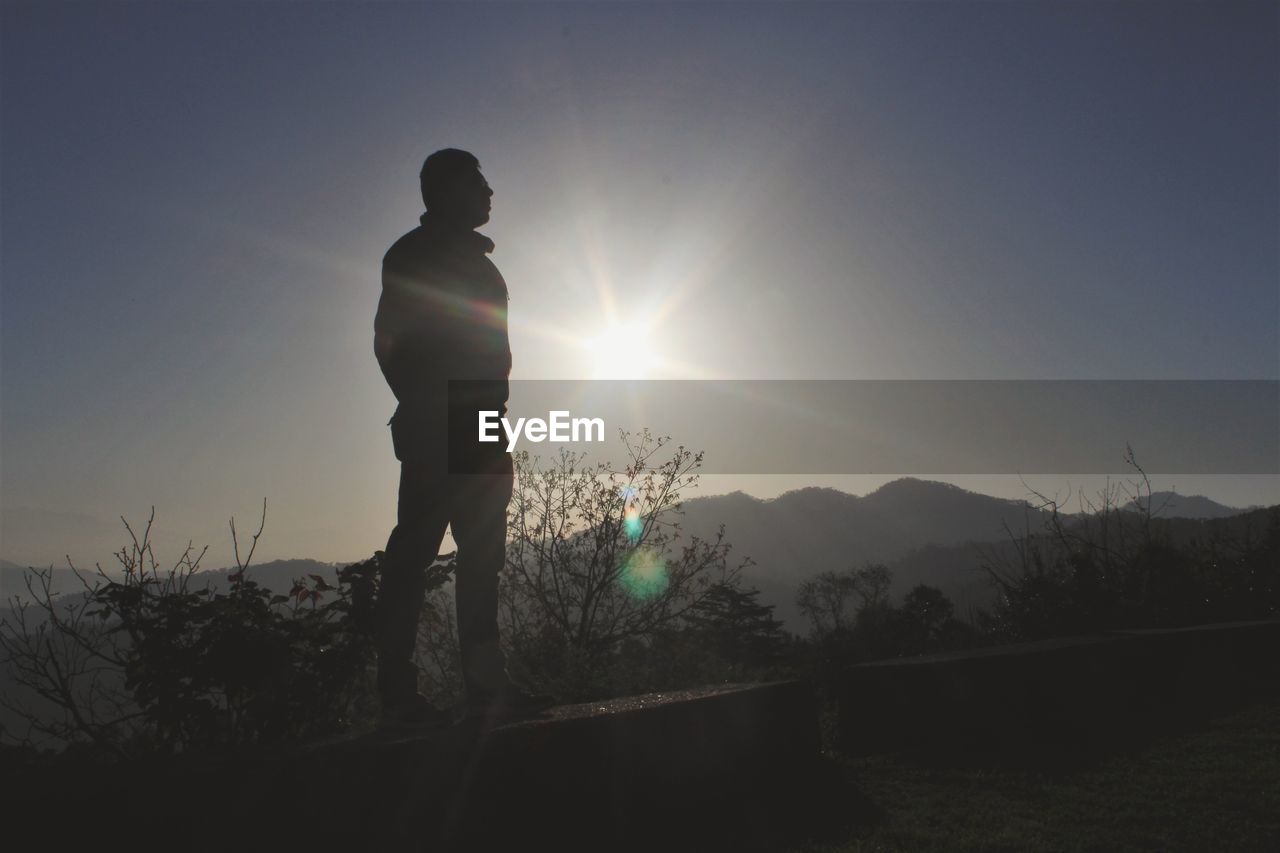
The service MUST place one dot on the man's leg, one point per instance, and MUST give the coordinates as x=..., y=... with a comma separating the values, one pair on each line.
x=480, y=529
x=421, y=519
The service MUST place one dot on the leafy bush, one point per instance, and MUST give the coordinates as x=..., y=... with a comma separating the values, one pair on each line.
x=1115, y=567
x=146, y=661
x=596, y=562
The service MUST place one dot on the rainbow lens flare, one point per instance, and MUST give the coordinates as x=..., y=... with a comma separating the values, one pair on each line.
x=644, y=574
x=632, y=524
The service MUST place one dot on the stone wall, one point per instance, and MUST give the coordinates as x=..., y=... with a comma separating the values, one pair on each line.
x=1055, y=694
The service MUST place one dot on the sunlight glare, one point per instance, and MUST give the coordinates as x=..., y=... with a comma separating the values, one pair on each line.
x=622, y=352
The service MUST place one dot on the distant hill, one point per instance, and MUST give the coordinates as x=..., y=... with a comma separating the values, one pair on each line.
x=13, y=584
x=276, y=575
x=791, y=537
x=279, y=575
x=804, y=532
x=1174, y=505
x=926, y=531
x=957, y=569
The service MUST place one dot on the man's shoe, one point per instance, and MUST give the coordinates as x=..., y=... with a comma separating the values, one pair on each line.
x=412, y=712
x=506, y=704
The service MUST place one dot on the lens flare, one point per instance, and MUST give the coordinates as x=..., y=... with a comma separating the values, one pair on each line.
x=632, y=524
x=644, y=574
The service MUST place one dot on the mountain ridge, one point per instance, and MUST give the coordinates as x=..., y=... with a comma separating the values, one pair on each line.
x=798, y=534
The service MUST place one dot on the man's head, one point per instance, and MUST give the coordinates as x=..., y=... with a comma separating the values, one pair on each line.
x=454, y=189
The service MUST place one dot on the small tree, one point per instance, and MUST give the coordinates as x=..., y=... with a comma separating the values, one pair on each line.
x=824, y=599
x=926, y=620
x=731, y=623
x=596, y=557
x=147, y=661
x=727, y=636
x=827, y=598
x=1114, y=564
x=927, y=607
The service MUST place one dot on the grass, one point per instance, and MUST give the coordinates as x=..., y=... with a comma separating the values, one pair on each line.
x=1215, y=788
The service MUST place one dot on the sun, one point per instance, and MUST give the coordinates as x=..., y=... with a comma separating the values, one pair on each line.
x=622, y=351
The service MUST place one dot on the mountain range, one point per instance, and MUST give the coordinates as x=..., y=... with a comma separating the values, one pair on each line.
x=925, y=531
x=1174, y=505
x=277, y=575
x=802, y=533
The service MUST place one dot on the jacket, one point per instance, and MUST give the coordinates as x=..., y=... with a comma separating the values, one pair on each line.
x=442, y=316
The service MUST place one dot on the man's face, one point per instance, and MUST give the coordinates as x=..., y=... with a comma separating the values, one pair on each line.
x=469, y=196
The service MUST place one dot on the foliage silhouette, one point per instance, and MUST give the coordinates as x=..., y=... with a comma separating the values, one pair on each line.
x=148, y=662
x=596, y=559
x=1118, y=565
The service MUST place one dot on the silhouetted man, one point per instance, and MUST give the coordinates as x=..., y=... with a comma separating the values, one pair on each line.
x=442, y=317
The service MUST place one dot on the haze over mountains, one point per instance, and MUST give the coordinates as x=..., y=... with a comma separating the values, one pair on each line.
x=276, y=574
x=802, y=533
x=1174, y=505
x=926, y=531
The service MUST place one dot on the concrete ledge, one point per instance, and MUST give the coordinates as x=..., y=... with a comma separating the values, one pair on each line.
x=728, y=767
x=982, y=697
x=602, y=776
x=1189, y=672
x=1055, y=694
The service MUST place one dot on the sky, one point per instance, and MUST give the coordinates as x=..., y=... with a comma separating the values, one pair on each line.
x=195, y=198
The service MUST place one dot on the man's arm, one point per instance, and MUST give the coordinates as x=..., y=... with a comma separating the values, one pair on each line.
x=411, y=340
x=438, y=322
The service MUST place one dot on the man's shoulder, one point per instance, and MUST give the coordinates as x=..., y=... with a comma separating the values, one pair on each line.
x=413, y=247
x=428, y=252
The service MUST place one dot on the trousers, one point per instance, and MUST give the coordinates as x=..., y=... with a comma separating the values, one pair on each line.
x=430, y=500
